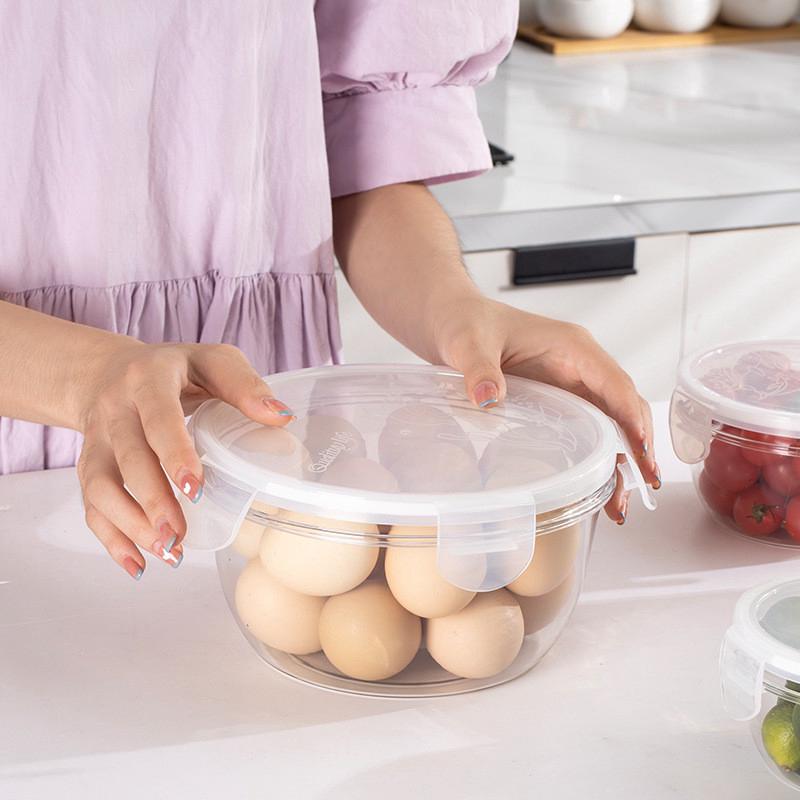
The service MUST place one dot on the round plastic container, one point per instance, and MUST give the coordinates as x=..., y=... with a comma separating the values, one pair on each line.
x=760, y=672
x=735, y=416
x=394, y=540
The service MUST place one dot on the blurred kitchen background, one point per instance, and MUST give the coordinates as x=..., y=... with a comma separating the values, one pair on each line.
x=653, y=195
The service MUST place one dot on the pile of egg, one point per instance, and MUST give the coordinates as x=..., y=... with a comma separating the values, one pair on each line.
x=364, y=605
x=370, y=605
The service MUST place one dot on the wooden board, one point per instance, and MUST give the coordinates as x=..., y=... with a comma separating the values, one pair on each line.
x=634, y=39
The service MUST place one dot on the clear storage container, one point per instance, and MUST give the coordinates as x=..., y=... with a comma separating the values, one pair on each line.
x=735, y=416
x=760, y=671
x=395, y=540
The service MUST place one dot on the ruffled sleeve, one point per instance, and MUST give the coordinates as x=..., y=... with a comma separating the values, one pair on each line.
x=398, y=84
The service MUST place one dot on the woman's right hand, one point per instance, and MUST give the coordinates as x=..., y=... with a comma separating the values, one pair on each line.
x=133, y=424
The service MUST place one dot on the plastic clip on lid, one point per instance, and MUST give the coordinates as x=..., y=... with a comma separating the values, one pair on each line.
x=402, y=445
x=764, y=637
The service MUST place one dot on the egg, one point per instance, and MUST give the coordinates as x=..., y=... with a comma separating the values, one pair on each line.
x=273, y=448
x=367, y=634
x=313, y=565
x=538, y=612
x=412, y=427
x=482, y=639
x=438, y=467
x=356, y=472
x=248, y=539
x=416, y=583
x=328, y=438
x=276, y=615
x=554, y=557
x=527, y=452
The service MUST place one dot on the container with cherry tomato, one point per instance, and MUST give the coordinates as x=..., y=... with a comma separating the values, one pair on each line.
x=735, y=416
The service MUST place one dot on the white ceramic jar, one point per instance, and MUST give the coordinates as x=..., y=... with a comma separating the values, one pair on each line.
x=586, y=19
x=676, y=16
x=759, y=13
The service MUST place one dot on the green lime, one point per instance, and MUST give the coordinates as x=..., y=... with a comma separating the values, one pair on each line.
x=796, y=720
x=778, y=735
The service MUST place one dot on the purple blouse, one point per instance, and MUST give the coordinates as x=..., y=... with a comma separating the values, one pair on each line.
x=166, y=169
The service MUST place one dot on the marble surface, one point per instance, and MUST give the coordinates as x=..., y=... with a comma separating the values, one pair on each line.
x=116, y=689
x=632, y=136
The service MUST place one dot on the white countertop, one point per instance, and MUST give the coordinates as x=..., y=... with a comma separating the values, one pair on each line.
x=635, y=130
x=115, y=689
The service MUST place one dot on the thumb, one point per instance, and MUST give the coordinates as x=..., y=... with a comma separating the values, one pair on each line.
x=483, y=378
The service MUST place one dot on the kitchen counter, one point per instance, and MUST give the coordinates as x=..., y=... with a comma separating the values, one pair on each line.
x=115, y=689
x=631, y=144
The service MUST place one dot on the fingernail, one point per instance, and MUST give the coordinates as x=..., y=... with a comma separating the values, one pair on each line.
x=167, y=540
x=132, y=568
x=172, y=557
x=657, y=484
x=486, y=394
x=190, y=485
x=621, y=520
x=645, y=448
x=276, y=407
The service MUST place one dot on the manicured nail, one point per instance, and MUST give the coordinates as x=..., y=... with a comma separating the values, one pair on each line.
x=657, y=484
x=132, y=568
x=621, y=520
x=167, y=540
x=645, y=448
x=173, y=557
x=486, y=394
x=276, y=407
x=190, y=485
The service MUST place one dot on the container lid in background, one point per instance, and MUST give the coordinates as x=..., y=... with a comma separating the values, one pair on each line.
x=752, y=385
x=402, y=445
x=763, y=640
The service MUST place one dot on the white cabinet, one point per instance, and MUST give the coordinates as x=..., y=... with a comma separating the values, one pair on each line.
x=636, y=318
x=742, y=284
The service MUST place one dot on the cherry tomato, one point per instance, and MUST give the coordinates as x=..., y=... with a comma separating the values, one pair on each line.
x=727, y=469
x=758, y=511
x=782, y=477
x=763, y=457
x=792, y=523
x=718, y=499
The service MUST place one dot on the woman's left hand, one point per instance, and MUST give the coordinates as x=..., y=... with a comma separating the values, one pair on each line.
x=487, y=339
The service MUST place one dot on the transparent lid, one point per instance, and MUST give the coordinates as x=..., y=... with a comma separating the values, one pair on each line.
x=752, y=385
x=402, y=445
x=764, y=638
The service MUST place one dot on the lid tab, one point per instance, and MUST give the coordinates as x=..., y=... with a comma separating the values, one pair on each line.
x=482, y=549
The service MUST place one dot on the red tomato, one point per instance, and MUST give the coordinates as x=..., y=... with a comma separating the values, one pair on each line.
x=763, y=457
x=758, y=511
x=796, y=463
x=792, y=523
x=727, y=469
x=782, y=477
x=718, y=499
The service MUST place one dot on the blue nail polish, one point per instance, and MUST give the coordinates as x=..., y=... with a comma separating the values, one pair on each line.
x=490, y=401
x=177, y=561
x=196, y=498
x=286, y=413
x=170, y=544
x=139, y=573
x=621, y=520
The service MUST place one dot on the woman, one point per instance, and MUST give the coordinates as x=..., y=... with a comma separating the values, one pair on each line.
x=178, y=177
